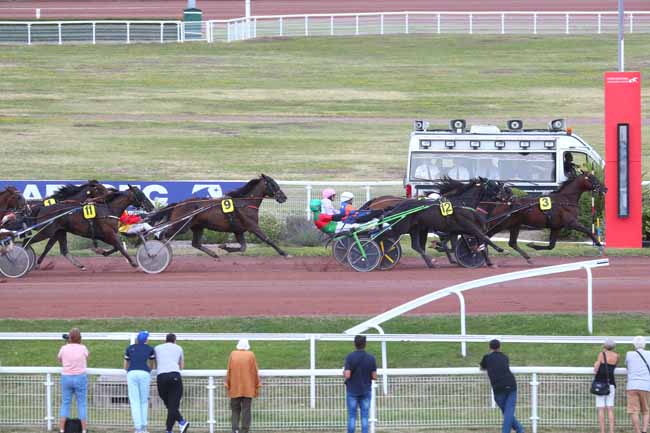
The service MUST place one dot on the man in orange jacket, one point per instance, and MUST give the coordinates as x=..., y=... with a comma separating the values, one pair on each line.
x=242, y=383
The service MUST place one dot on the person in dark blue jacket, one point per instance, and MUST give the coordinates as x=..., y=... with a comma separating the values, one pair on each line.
x=138, y=360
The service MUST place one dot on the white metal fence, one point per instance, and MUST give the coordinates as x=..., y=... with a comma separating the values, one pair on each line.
x=548, y=397
x=350, y=24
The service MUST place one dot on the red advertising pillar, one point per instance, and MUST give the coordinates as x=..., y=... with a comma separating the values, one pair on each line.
x=623, y=205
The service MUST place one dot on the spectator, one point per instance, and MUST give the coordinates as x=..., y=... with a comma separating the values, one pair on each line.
x=73, y=357
x=459, y=171
x=604, y=369
x=242, y=383
x=429, y=170
x=170, y=362
x=138, y=360
x=360, y=371
x=503, y=384
x=638, y=384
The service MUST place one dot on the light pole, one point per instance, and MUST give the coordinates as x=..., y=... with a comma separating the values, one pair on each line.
x=621, y=41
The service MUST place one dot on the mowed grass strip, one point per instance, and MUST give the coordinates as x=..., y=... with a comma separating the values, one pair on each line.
x=275, y=355
x=326, y=108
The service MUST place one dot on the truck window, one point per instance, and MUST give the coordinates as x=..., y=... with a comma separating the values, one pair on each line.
x=525, y=166
x=581, y=160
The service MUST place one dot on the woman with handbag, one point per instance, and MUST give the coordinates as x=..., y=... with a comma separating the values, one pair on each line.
x=604, y=384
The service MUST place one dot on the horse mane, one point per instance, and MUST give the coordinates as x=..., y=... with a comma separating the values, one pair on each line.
x=10, y=188
x=447, y=185
x=67, y=191
x=565, y=184
x=244, y=190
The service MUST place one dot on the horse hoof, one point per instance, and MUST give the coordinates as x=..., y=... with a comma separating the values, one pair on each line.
x=288, y=256
x=493, y=266
x=83, y=268
x=530, y=261
x=499, y=249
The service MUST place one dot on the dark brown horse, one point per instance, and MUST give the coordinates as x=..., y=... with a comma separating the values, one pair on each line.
x=98, y=222
x=72, y=193
x=11, y=201
x=236, y=213
x=561, y=212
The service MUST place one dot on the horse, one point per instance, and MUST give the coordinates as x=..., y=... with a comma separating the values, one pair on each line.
x=236, y=213
x=461, y=220
x=562, y=212
x=72, y=193
x=11, y=201
x=96, y=221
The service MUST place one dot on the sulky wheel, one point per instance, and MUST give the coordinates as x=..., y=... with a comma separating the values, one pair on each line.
x=391, y=253
x=340, y=249
x=14, y=261
x=153, y=256
x=470, y=253
x=32, y=257
x=365, y=255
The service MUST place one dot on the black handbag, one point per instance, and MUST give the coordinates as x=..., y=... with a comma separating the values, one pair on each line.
x=598, y=387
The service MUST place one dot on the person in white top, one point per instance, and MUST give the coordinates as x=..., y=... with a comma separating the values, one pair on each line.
x=638, y=384
x=458, y=172
x=429, y=170
x=326, y=205
x=170, y=362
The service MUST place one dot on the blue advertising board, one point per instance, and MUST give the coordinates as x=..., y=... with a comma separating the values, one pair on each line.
x=164, y=192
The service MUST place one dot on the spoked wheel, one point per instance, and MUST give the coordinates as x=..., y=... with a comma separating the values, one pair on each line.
x=365, y=255
x=32, y=257
x=391, y=253
x=340, y=249
x=14, y=262
x=470, y=253
x=153, y=256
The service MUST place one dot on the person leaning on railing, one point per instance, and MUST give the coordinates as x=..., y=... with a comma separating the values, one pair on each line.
x=73, y=357
x=604, y=368
x=638, y=384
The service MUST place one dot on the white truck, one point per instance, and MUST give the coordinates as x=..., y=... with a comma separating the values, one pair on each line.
x=533, y=160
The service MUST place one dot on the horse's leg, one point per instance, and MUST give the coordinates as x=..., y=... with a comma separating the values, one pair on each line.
x=551, y=241
x=114, y=240
x=416, y=245
x=63, y=247
x=109, y=252
x=514, y=234
x=241, y=240
x=48, y=247
x=257, y=231
x=197, y=242
x=471, y=228
x=453, y=240
x=575, y=225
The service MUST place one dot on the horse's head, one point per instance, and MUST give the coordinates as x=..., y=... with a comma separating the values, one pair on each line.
x=272, y=189
x=95, y=189
x=138, y=199
x=589, y=182
x=497, y=190
x=12, y=199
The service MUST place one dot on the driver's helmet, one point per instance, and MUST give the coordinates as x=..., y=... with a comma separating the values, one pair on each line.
x=346, y=196
x=314, y=205
x=329, y=192
x=10, y=217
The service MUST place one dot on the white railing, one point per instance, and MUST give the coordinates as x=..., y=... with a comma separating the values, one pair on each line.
x=348, y=24
x=437, y=398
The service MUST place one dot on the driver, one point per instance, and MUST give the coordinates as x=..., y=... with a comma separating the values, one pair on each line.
x=131, y=224
x=430, y=170
x=570, y=168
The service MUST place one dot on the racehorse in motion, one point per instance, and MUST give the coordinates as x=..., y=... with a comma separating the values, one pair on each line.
x=96, y=221
x=236, y=213
x=11, y=202
x=71, y=193
x=557, y=211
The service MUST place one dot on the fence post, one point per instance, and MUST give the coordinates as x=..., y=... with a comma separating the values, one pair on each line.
x=60, y=38
x=599, y=23
x=308, y=189
x=384, y=360
x=590, y=312
x=48, y=400
x=94, y=32
x=211, y=388
x=356, y=31
x=463, y=328
x=312, y=374
x=281, y=26
x=255, y=27
x=373, y=407
x=331, y=25
x=535, y=23
x=566, y=31
x=306, y=25
x=533, y=402
x=381, y=24
x=503, y=24
x=367, y=192
x=29, y=33
x=438, y=23
x=631, y=23
x=406, y=23
x=471, y=24
x=128, y=32
x=162, y=32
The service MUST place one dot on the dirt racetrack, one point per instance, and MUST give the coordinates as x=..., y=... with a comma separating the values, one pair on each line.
x=273, y=286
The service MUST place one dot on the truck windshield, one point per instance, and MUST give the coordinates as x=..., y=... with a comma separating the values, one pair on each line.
x=524, y=166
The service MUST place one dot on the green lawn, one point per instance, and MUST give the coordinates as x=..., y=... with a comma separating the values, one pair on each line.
x=317, y=108
x=273, y=355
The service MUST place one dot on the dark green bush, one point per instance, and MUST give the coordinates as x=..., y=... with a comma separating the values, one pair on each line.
x=646, y=214
x=301, y=232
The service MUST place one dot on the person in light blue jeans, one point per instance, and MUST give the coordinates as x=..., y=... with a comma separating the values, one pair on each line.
x=359, y=372
x=73, y=357
x=138, y=360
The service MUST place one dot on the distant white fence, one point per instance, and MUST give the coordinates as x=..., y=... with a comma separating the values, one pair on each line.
x=349, y=24
x=418, y=398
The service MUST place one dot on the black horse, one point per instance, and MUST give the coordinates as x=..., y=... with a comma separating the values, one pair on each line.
x=236, y=213
x=71, y=193
x=96, y=221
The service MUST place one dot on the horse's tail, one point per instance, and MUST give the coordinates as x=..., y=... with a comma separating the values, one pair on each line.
x=160, y=216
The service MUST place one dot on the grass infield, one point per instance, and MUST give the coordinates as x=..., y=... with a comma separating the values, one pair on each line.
x=303, y=108
x=274, y=355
